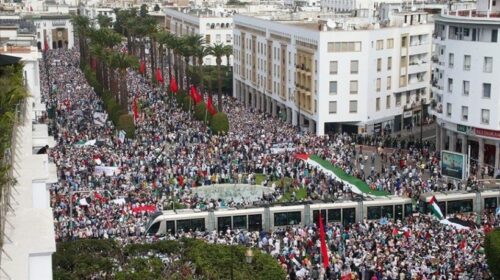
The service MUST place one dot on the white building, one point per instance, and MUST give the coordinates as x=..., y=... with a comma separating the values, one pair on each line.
x=213, y=27
x=350, y=5
x=330, y=76
x=57, y=29
x=28, y=236
x=466, y=82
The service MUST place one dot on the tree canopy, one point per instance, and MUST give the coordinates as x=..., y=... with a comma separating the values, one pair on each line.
x=492, y=250
x=184, y=259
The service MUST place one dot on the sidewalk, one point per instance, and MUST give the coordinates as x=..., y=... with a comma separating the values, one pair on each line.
x=428, y=132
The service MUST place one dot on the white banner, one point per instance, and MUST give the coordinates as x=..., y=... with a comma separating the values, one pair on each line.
x=121, y=136
x=100, y=118
x=106, y=170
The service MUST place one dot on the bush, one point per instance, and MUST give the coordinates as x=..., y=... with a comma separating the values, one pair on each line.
x=200, y=112
x=126, y=123
x=220, y=123
x=180, y=97
x=187, y=102
x=492, y=250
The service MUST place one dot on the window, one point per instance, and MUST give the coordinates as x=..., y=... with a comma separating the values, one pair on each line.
x=398, y=99
x=377, y=104
x=459, y=206
x=389, y=82
x=228, y=38
x=207, y=39
x=465, y=113
x=287, y=218
x=332, y=107
x=494, y=35
x=485, y=116
x=353, y=106
x=353, y=87
x=344, y=46
x=380, y=45
x=466, y=62
x=333, y=87
x=465, y=88
x=390, y=43
x=451, y=58
x=379, y=64
x=217, y=38
x=486, y=90
x=354, y=66
x=333, y=67
x=450, y=85
x=403, y=42
x=378, y=84
x=389, y=63
x=488, y=64
x=448, y=109
x=388, y=102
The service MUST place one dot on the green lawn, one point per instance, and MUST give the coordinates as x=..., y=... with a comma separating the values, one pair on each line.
x=300, y=194
x=363, y=186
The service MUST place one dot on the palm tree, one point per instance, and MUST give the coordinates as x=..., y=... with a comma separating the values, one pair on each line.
x=122, y=61
x=201, y=51
x=104, y=21
x=82, y=27
x=186, y=51
x=218, y=50
x=176, y=45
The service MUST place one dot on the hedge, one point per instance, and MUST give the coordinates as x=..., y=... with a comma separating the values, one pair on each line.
x=200, y=112
x=126, y=123
x=187, y=102
x=220, y=123
x=492, y=250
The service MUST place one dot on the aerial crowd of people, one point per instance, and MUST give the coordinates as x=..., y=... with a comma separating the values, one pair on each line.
x=109, y=185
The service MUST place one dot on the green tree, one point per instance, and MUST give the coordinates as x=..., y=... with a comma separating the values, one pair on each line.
x=104, y=21
x=219, y=50
x=220, y=123
x=492, y=250
x=122, y=61
x=82, y=27
x=157, y=8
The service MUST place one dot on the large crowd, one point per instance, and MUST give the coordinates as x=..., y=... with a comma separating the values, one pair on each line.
x=172, y=153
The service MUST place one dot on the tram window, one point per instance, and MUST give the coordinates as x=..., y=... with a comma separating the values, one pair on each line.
x=490, y=203
x=408, y=209
x=191, y=224
x=223, y=223
x=374, y=212
x=153, y=229
x=348, y=216
x=171, y=227
x=254, y=222
x=398, y=213
x=459, y=206
x=442, y=206
x=316, y=216
x=388, y=211
x=288, y=218
x=334, y=215
x=239, y=222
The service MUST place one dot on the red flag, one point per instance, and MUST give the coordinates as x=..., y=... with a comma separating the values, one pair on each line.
x=45, y=45
x=463, y=244
x=210, y=106
x=135, y=109
x=324, y=252
x=195, y=95
x=97, y=196
x=142, y=67
x=173, y=85
x=159, y=76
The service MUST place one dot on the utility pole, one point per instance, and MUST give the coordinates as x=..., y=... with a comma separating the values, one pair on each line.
x=421, y=122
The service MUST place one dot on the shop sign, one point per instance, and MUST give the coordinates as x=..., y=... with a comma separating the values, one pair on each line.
x=487, y=132
x=407, y=114
x=461, y=128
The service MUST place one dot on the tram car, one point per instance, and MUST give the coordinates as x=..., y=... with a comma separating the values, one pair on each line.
x=341, y=211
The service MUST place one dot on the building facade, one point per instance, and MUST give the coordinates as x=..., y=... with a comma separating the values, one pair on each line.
x=213, y=27
x=28, y=236
x=56, y=29
x=334, y=76
x=466, y=82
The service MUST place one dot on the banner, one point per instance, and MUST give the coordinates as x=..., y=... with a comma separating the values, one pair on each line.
x=453, y=165
x=100, y=118
x=106, y=170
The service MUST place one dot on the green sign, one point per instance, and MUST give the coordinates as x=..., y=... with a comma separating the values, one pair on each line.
x=462, y=128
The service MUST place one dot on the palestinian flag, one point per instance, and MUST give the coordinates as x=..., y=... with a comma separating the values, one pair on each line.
x=355, y=184
x=436, y=211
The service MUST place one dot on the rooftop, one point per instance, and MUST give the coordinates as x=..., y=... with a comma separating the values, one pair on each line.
x=472, y=14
